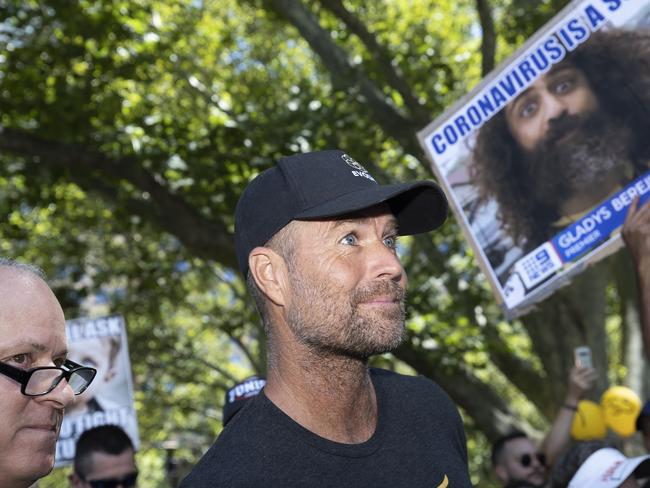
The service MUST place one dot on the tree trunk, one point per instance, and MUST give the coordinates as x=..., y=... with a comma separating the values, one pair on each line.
x=573, y=316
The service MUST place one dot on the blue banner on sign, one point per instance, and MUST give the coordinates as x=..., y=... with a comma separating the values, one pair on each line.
x=597, y=225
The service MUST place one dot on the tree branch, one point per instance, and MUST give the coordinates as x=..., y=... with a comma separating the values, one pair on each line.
x=519, y=372
x=391, y=72
x=488, y=42
x=206, y=238
x=218, y=369
x=350, y=77
x=259, y=369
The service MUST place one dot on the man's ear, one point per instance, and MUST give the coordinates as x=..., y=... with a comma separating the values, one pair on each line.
x=270, y=272
x=75, y=481
x=501, y=473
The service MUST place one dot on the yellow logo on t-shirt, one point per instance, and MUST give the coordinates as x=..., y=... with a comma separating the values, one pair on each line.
x=444, y=484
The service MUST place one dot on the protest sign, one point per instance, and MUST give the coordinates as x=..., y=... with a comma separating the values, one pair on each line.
x=99, y=343
x=542, y=160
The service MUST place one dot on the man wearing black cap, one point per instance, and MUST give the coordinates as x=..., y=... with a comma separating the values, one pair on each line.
x=316, y=240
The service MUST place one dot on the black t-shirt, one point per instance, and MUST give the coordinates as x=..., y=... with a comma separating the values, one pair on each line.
x=419, y=442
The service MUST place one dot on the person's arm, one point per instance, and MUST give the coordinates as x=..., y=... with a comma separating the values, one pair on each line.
x=558, y=437
x=636, y=235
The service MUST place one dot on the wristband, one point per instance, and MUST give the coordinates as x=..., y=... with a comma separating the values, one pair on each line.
x=570, y=407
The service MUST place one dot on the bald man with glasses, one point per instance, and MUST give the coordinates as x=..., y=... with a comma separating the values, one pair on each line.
x=37, y=382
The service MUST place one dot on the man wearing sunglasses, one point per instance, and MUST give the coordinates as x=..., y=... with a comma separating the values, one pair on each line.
x=36, y=381
x=516, y=461
x=104, y=458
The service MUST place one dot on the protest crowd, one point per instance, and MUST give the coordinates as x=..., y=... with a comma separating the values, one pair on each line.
x=563, y=158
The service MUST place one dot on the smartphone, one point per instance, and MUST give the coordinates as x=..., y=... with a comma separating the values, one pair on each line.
x=582, y=356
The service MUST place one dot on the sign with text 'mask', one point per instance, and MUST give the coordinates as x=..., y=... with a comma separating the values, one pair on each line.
x=542, y=160
x=101, y=344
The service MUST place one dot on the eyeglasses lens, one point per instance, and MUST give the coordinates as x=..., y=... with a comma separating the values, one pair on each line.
x=42, y=381
x=80, y=379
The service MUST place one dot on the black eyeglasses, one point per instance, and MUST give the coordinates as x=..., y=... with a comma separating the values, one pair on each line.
x=126, y=481
x=526, y=459
x=42, y=380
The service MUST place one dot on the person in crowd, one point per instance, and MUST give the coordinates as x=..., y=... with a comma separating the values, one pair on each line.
x=104, y=458
x=37, y=382
x=516, y=461
x=598, y=464
x=643, y=424
x=239, y=395
x=316, y=239
x=572, y=138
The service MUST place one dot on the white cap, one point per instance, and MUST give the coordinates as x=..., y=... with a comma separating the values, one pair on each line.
x=605, y=468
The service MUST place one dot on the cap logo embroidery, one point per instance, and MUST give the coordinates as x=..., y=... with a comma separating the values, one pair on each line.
x=358, y=169
x=609, y=474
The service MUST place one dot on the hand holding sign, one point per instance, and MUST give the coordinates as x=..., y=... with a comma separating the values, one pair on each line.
x=636, y=234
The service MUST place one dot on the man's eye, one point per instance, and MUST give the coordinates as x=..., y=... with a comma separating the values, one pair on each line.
x=564, y=86
x=21, y=360
x=528, y=109
x=349, y=240
x=391, y=242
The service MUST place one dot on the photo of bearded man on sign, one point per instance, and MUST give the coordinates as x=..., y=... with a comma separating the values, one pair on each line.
x=574, y=137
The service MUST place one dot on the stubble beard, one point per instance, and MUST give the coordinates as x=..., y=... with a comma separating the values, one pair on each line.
x=329, y=322
x=596, y=148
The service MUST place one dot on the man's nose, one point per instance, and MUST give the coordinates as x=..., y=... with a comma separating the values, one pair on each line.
x=536, y=462
x=554, y=108
x=384, y=263
x=62, y=396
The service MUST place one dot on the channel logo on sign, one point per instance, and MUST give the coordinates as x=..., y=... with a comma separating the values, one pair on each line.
x=538, y=265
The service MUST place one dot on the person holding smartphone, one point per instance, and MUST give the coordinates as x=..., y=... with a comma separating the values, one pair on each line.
x=582, y=378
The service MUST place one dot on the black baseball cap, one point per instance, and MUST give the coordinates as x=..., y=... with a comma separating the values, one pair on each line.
x=325, y=184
